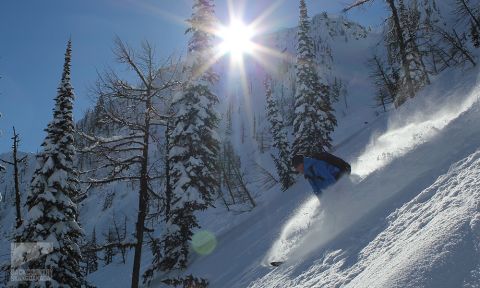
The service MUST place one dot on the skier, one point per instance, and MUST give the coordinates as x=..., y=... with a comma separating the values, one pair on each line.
x=321, y=170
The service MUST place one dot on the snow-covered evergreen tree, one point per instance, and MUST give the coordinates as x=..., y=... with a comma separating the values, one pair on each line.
x=314, y=119
x=195, y=143
x=280, y=140
x=52, y=213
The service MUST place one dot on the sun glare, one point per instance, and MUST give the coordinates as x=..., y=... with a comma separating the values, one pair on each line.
x=236, y=39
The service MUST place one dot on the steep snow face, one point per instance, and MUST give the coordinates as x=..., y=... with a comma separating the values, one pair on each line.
x=431, y=241
x=422, y=225
x=402, y=225
x=437, y=232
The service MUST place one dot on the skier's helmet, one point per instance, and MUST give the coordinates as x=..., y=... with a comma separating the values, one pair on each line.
x=297, y=160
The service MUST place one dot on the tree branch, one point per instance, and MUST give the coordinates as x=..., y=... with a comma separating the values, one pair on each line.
x=355, y=4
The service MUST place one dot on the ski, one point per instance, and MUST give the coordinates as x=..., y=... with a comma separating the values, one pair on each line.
x=276, y=263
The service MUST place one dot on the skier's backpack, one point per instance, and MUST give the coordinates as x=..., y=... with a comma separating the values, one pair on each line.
x=345, y=168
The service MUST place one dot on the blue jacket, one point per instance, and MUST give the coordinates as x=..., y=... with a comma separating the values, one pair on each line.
x=319, y=173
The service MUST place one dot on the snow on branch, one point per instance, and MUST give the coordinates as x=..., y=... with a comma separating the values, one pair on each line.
x=99, y=141
x=355, y=4
x=109, y=246
x=107, y=180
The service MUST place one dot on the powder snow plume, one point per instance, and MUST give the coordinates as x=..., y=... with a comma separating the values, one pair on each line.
x=315, y=222
x=416, y=124
x=293, y=230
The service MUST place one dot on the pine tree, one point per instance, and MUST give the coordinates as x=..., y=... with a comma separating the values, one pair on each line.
x=91, y=257
x=109, y=251
x=474, y=35
x=314, y=119
x=52, y=215
x=194, y=141
x=156, y=248
x=280, y=141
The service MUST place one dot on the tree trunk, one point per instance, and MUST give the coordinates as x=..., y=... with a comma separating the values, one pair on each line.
x=142, y=198
x=469, y=11
x=403, y=54
x=168, y=188
x=17, y=185
x=461, y=48
x=244, y=187
x=385, y=79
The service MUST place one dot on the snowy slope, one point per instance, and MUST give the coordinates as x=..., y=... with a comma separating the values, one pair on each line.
x=409, y=217
x=413, y=223
x=101, y=206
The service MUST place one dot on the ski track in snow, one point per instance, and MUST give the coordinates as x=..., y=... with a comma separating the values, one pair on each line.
x=293, y=231
x=437, y=230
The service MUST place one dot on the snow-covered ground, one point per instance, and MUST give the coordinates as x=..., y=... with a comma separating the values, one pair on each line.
x=410, y=223
x=408, y=219
x=409, y=216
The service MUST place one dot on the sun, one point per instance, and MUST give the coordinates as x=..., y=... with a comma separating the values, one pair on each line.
x=236, y=39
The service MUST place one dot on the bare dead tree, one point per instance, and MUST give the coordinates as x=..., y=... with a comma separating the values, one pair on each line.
x=459, y=52
x=232, y=179
x=466, y=10
x=357, y=3
x=264, y=177
x=243, y=186
x=15, y=163
x=136, y=111
x=386, y=88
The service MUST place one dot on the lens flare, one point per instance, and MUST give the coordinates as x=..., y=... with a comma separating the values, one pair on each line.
x=204, y=242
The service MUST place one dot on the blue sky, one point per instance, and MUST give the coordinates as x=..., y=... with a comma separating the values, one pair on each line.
x=33, y=35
